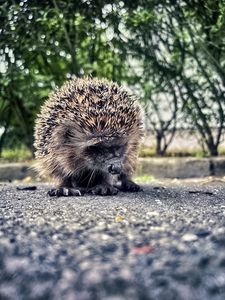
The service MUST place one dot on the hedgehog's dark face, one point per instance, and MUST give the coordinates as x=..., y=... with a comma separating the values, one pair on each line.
x=105, y=157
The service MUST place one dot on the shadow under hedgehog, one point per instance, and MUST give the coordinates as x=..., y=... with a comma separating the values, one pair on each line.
x=87, y=137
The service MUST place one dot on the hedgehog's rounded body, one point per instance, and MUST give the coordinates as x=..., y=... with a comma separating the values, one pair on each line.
x=86, y=131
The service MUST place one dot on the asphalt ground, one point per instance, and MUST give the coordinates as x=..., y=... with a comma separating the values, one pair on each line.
x=167, y=242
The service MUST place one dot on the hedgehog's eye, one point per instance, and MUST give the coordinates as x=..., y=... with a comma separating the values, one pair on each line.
x=94, y=150
x=118, y=151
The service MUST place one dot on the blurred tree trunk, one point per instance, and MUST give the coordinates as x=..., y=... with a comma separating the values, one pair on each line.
x=2, y=138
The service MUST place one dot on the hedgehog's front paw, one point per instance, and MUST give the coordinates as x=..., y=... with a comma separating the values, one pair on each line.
x=63, y=191
x=130, y=186
x=103, y=190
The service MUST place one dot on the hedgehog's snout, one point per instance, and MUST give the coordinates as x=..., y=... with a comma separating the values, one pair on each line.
x=115, y=168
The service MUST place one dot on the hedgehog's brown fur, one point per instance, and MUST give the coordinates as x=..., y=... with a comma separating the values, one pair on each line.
x=82, y=113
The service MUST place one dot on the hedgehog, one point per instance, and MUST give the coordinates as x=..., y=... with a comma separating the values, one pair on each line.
x=87, y=136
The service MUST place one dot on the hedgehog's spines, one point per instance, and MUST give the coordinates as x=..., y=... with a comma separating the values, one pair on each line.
x=92, y=108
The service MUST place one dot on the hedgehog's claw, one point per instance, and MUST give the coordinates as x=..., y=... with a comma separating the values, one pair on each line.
x=103, y=190
x=63, y=191
x=130, y=186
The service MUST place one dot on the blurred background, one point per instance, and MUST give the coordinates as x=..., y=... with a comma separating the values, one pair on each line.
x=169, y=53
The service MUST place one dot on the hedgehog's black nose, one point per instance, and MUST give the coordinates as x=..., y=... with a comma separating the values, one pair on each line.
x=114, y=169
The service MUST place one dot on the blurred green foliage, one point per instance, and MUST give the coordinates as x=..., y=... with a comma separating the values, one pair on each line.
x=43, y=44
x=16, y=155
x=170, y=46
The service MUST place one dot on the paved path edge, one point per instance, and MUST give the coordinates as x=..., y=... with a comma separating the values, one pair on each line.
x=157, y=167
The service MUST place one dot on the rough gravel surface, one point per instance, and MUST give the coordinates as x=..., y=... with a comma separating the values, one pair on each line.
x=167, y=242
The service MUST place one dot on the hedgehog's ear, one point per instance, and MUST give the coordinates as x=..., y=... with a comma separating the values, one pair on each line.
x=76, y=137
x=92, y=141
x=69, y=135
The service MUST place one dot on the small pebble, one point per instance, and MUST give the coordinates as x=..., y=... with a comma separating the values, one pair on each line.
x=189, y=237
x=27, y=188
